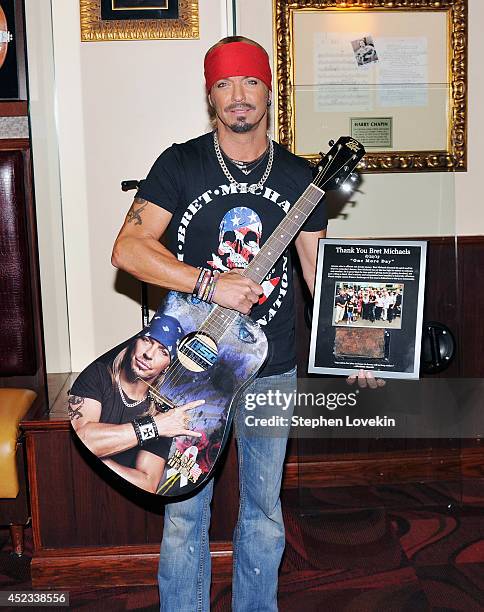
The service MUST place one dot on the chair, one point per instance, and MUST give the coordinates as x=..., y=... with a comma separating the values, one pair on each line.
x=14, y=503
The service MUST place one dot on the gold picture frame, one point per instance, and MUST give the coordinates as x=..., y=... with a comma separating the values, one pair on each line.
x=136, y=21
x=301, y=25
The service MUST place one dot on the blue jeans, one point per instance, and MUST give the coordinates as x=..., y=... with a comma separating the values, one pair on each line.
x=259, y=538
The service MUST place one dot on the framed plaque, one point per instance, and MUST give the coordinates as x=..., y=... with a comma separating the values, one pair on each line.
x=398, y=64
x=368, y=307
x=375, y=132
x=138, y=19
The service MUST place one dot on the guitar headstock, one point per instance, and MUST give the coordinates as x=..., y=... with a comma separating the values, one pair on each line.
x=337, y=165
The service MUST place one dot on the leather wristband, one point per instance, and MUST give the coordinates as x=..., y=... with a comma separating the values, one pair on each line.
x=145, y=429
x=196, y=289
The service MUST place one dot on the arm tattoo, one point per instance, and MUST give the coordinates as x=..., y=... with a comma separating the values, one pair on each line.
x=74, y=407
x=134, y=213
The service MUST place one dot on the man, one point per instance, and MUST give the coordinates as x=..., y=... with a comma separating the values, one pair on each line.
x=110, y=406
x=340, y=306
x=398, y=302
x=218, y=198
x=391, y=306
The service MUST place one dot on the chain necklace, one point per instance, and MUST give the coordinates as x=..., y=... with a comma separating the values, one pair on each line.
x=124, y=400
x=226, y=171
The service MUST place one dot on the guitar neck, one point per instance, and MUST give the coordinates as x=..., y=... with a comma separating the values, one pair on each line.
x=284, y=233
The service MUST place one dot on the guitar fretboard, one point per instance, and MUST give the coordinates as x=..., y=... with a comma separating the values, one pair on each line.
x=220, y=318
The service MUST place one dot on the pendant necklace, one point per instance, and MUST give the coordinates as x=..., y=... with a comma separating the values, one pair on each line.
x=248, y=167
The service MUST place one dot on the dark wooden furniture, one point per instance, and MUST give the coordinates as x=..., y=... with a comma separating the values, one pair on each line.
x=21, y=344
x=14, y=508
x=90, y=528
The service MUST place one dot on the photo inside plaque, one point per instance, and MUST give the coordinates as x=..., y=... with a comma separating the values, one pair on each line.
x=368, y=304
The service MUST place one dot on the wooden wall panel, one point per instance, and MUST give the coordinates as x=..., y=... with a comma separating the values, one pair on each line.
x=78, y=502
x=13, y=109
x=471, y=312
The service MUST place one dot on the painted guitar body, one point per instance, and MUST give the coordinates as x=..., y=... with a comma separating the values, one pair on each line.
x=241, y=352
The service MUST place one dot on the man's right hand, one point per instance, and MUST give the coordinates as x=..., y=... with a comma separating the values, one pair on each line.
x=236, y=291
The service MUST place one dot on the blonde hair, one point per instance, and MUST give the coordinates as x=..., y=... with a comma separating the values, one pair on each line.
x=115, y=370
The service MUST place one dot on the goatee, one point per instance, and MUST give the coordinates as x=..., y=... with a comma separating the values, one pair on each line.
x=241, y=127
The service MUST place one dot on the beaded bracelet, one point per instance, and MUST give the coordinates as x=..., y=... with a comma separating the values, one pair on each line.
x=213, y=284
x=145, y=429
x=210, y=289
x=205, y=286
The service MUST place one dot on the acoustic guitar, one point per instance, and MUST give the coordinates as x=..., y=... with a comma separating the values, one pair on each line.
x=222, y=350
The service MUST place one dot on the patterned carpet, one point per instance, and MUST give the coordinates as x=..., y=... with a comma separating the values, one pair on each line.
x=386, y=549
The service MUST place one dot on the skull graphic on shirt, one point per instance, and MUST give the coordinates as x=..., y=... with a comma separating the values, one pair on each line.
x=240, y=233
x=239, y=238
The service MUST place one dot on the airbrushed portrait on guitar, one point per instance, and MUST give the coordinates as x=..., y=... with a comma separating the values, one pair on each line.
x=113, y=393
x=228, y=205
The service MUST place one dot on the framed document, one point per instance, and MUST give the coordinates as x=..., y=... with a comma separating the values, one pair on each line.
x=368, y=307
x=138, y=19
x=391, y=74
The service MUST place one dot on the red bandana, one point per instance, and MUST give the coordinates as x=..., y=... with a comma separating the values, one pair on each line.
x=237, y=59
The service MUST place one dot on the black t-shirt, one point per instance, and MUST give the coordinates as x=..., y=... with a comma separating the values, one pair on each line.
x=96, y=382
x=218, y=226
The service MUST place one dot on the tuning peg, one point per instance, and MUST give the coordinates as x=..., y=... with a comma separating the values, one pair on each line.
x=353, y=177
x=331, y=143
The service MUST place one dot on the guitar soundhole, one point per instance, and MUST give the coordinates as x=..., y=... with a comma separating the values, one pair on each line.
x=197, y=352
